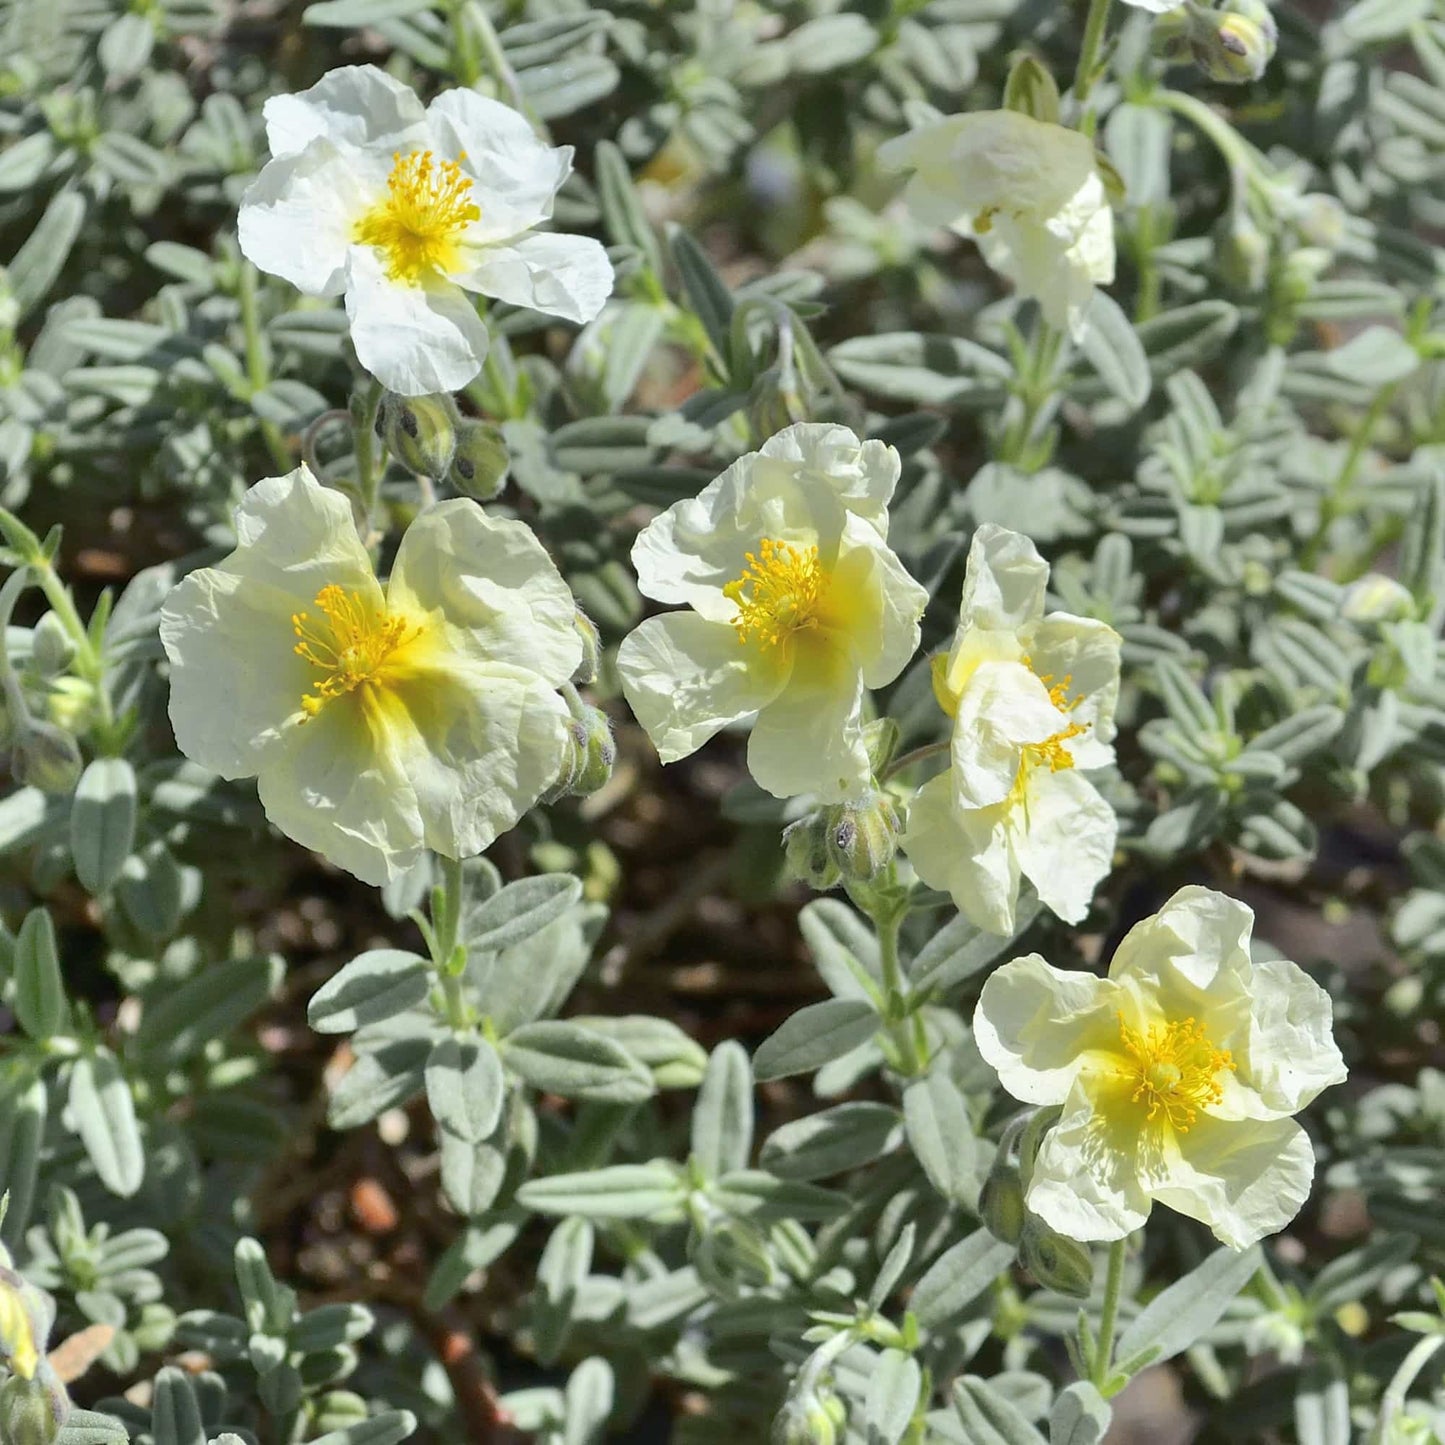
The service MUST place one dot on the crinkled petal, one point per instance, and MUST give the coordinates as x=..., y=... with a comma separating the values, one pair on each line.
x=1086, y=1182
x=477, y=744
x=1244, y=1180
x=415, y=340
x=862, y=475
x=567, y=276
x=1291, y=1055
x=966, y=852
x=297, y=216
x=1004, y=582
x=687, y=678
x=337, y=789
x=1064, y=840
x=882, y=604
x=235, y=675
x=1003, y=707
x=1083, y=655
x=500, y=595
x=1195, y=948
x=356, y=105
x=809, y=738
x=1034, y=1023
x=516, y=173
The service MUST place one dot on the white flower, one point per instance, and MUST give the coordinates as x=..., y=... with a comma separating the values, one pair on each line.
x=1027, y=191
x=378, y=722
x=1032, y=701
x=1155, y=7
x=796, y=605
x=1177, y=1075
x=405, y=210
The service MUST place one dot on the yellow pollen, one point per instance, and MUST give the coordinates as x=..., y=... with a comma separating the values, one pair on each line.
x=349, y=645
x=780, y=592
x=428, y=205
x=1052, y=752
x=1174, y=1069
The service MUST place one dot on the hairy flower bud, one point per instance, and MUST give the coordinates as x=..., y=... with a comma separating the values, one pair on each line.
x=480, y=462
x=1001, y=1203
x=1242, y=251
x=51, y=646
x=863, y=836
x=591, y=649
x=1375, y=598
x=1058, y=1263
x=808, y=1419
x=880, y=738
x=28, y=1414
x=1233, y=46
x=421, y=432
x=46, y=757
x=809, y=858
x=588, y=756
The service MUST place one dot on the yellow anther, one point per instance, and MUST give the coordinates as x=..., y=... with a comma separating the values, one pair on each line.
x=416, y=227
x=349, y=645
x=781, y=592
x=1174, y=1069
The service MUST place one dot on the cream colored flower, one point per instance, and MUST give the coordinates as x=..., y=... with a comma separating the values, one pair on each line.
x=405, y=210
x=1032, y=701
x=377, y=721
x=1027, y=191
x=1177, y=1075
x=796, y=604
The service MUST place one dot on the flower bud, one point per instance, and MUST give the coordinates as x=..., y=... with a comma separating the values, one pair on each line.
x=480, y=462
x=51, y=646
x=588, y=754
x=1001, y=1203
x=420, y=432
x=591, y=649
x=31, y=1411
x=862, y=836
x=880, y=738
x=807, y=1420
x=1058, y=1263
x=1233, y=46
x=71, y=703
x=46, y=757
x=1031, y=1140
x=1241, y=251
x=1320, y=220
x=809, y=858
x=1375, y=598
x=19, y=1350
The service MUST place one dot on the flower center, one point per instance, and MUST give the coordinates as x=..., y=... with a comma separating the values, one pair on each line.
x=1174, y=1069
x=1052, y=752
x=428, y=205
x=780, y=592
x=349, y=645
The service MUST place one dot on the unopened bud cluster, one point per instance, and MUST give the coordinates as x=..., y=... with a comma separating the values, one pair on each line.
x=589, y=751
x=431, y=439
x=1232, y=45
x=844, y=842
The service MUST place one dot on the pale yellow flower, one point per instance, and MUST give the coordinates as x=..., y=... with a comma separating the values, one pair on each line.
x=378, y=721
x=1177, y=1075
x=1032, y=702
x=796, y=604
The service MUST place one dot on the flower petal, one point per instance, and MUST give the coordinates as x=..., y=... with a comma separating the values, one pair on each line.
x=1064, y=839
x=862, y=475
x=296, y=217
x=517, y=174
x=500, y=595
x=1291, y=1055
x=477, y=743
x=1003, y=707
x=966, y=852
x=1034, y=1024
x=355, y=105
x=1004, y=582
x=1086, y=1181
x=883, y=604
x=1082, y=654
x=413, y=339
x=566, y=276
x=1244, y=1180
x=809, y=738
x=332, y=789
x=1197, y=945
x=687, y=678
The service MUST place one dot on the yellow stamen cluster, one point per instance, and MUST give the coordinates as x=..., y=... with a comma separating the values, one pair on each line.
x=1174, y=1069
x=1052, y=752
x=350, y=644
x=428, y=205
x=780, y=592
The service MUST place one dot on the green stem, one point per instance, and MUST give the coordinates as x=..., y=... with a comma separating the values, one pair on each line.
x=1238, y=154
x=500, y=67
x=908, y=1040
x=917, y=755
x=1333, y=504
x=1089, y=68
x=1113, y=1284
x=448, y=901
x=368, y=471
x=1036, y=386
x=258, y=370
x=88, y=664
